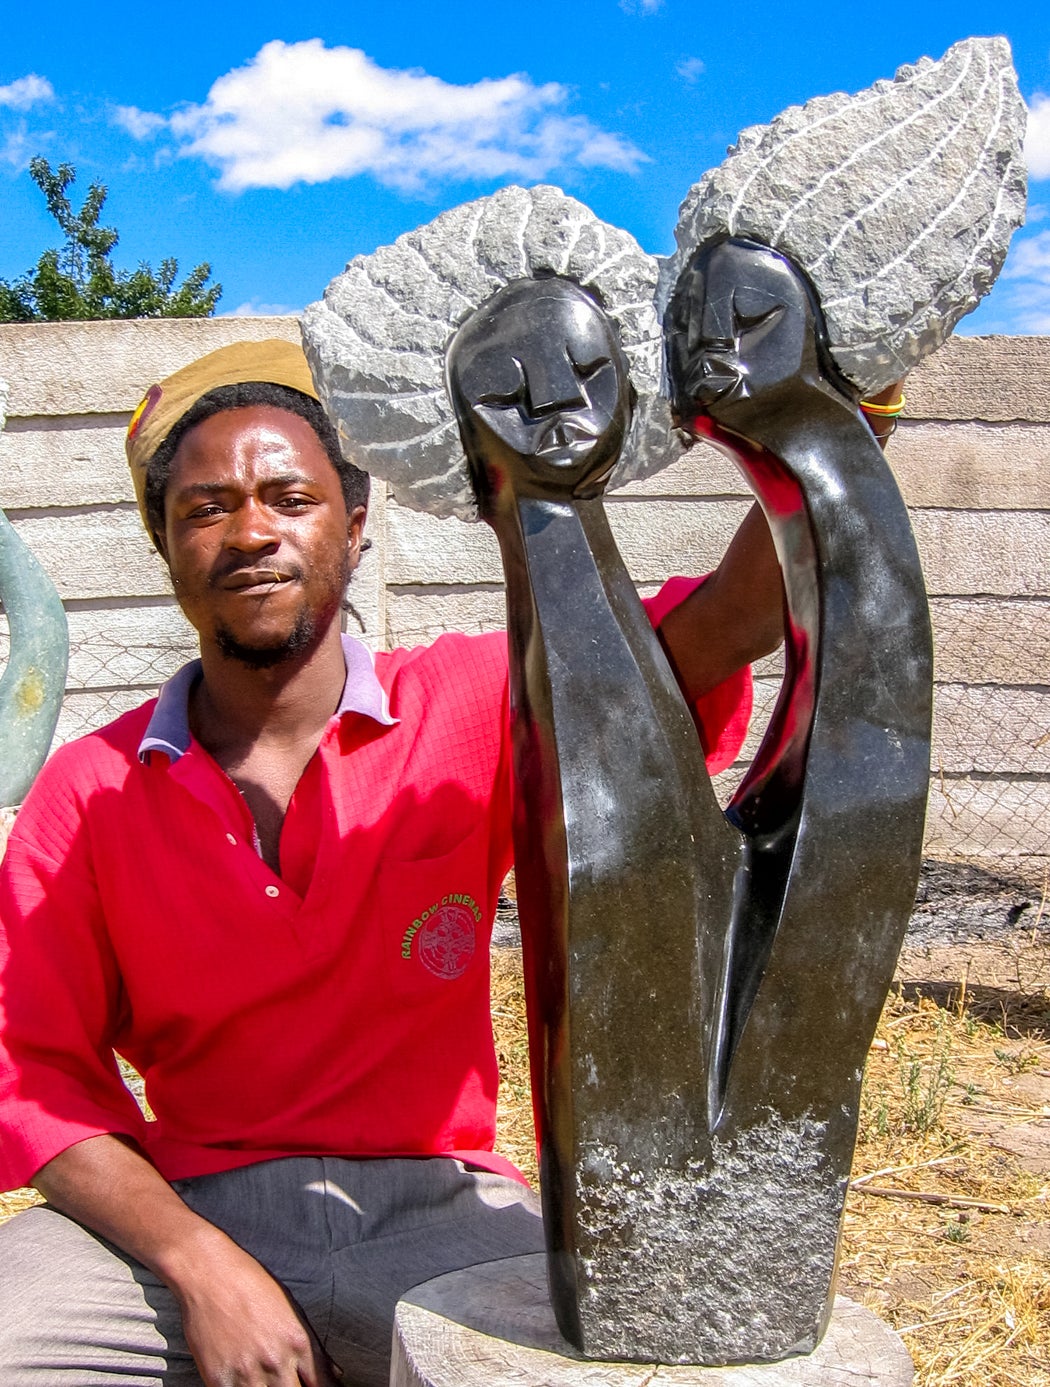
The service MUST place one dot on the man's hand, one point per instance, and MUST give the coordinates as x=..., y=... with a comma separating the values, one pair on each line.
x=241, y=1326
x=245, y=1331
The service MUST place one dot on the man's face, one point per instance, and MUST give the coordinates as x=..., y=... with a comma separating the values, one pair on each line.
x=540, y=375
x=256, y=534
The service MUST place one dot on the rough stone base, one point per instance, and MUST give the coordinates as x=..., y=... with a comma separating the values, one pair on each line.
x=492, y=1326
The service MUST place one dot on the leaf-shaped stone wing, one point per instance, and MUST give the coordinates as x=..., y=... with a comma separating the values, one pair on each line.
x=898, y=202
x=377, y=341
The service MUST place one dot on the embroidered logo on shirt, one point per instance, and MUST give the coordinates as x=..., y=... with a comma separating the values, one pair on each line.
x=445, y=935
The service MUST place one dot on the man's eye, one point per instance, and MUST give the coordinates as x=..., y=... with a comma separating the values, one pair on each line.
x=294, y=502
x=205, y=512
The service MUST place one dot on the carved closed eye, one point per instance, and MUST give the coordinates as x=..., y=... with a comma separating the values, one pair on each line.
x=504, y=383
x=589, y=367
x=752, y=311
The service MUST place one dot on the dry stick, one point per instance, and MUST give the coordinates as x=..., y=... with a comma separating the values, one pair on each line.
x=961, y=1003
x=1026, y=1114
x=914, y=1165
x=948, y=1201
x=1042, y=905
x=965, y=1313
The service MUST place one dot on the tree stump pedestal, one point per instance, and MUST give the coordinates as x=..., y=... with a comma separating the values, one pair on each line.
x=492, y=1326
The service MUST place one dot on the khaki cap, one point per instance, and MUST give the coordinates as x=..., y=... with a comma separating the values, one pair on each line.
x=273, y=361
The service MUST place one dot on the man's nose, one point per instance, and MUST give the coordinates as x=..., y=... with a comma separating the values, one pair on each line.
x=251, y=527
x=551, y=384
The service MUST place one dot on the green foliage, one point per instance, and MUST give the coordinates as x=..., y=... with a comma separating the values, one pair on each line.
x=958, y=1232
x=1017, y=1061
x=79, y=281
x=924, y=1087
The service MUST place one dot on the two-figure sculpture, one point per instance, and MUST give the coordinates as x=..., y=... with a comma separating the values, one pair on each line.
x=702, y=985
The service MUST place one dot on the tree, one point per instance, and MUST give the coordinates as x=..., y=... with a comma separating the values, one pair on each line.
x=79, y=280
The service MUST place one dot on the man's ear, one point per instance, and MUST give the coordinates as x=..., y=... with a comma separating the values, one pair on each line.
x=356, y=534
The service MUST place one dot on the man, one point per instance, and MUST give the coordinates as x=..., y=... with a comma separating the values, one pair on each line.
x=247, y=888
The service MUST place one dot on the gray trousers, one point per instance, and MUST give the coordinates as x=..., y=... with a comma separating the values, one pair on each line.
x=346, y=1238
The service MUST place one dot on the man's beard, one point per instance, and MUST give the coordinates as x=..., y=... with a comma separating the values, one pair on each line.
x=306, y=635
x=302, y=637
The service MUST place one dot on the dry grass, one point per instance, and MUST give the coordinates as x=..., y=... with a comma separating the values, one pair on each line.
x=967, y=1283
x=515, y=1136
x=950, y=1082
x=16, y=1201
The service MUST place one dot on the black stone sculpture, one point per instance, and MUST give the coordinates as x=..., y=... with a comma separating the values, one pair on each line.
x=702, y=988
x=832, y=810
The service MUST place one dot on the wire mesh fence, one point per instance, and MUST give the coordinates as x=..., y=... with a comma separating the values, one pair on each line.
x=990, y=760
x=990, y=771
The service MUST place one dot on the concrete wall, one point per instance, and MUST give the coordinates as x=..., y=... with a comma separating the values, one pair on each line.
x=972, y=458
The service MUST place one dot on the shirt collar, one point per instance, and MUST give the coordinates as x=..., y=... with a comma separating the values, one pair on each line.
x=169, y=726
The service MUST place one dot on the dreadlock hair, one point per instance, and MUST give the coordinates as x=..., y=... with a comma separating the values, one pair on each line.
x=354, y=482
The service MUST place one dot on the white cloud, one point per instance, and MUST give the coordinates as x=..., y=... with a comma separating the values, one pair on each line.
x=17, y=143
x=301, y=112
x=690, y=69
x=255, y=308
x=1037, y=139
x=1021, y=301
x=24, y=92
x=1029, y=258
x=18, y=147
x=641, y=6
x=140, y=125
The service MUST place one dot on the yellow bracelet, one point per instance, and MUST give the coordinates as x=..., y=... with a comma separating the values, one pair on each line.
x=890, y=411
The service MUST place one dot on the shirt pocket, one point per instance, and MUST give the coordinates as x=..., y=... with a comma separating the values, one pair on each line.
x=436, y=919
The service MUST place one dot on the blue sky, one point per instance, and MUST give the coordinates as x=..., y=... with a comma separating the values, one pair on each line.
x=278, y=141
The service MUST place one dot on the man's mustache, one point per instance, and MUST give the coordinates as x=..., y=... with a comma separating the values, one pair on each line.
x=253, y=570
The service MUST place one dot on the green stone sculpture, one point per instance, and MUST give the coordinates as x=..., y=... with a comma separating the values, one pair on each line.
x=34, y=681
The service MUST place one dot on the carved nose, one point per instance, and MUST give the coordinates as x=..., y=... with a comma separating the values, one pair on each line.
x=552, y=384
x=711, y=330
x=713, y=374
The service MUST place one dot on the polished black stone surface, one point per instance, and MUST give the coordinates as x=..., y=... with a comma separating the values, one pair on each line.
x=702, y=987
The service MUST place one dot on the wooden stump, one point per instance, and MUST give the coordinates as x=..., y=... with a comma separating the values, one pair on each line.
x=492, y=1326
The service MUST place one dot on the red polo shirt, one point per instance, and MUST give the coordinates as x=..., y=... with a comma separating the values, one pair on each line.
x=339, y=1008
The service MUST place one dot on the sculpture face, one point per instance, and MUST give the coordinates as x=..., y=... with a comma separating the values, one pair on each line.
x=540, y=387
x=739, y=323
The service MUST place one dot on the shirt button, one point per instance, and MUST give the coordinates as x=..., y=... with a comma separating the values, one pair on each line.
x=231, y=840
x=273, y=891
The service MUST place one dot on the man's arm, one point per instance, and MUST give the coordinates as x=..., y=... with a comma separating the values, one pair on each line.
x=240, y=1325
x=732, y=619
x=62, y=1101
